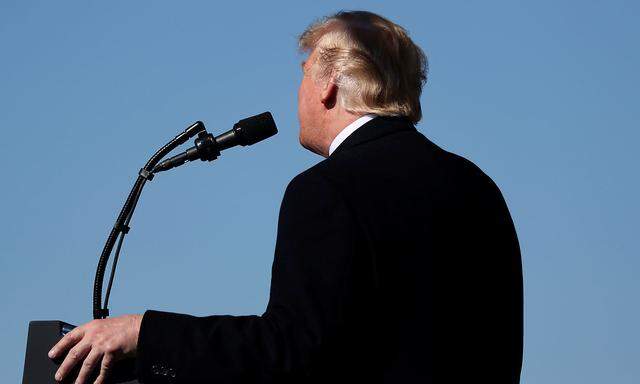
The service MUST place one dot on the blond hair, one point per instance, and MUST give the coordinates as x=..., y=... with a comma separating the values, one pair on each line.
x=374, y=62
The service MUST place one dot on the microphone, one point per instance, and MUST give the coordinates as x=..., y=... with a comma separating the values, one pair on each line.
x=207, y=147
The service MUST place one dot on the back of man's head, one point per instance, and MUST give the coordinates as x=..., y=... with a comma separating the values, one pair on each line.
x=374, y=62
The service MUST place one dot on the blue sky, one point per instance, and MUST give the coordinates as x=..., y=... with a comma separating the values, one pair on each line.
x=541, y=95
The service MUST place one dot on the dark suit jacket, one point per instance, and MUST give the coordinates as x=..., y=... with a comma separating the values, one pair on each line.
x=395, y=262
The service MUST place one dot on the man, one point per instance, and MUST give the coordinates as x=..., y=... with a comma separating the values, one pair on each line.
x=395, y=261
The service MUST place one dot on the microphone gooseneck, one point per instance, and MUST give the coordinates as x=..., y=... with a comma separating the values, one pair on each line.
x=207, y=147
x=121, y=226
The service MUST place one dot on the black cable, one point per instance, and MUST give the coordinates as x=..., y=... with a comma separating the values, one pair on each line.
x=98, y=312
x=105, y=308
x=123, y=233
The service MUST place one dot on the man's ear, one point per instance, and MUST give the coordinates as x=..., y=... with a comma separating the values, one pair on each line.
x=329, y=94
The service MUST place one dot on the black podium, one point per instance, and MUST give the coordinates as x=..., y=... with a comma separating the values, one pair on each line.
x=39, y=369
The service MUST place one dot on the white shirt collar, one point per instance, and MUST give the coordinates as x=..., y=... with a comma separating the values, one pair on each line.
x=348, y=130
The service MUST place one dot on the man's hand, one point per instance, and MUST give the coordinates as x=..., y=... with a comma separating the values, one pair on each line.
x=97, y=344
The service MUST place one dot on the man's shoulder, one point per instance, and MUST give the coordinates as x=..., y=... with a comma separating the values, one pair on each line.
x=309, y=182
x=401, y=153
x=405, y=159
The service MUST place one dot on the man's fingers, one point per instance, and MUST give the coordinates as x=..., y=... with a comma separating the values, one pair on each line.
x=75, y=355
x=105, y=368
x=88, y=366
x=68, y=341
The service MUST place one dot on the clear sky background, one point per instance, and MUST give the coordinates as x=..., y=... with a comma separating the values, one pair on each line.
x=542, y=95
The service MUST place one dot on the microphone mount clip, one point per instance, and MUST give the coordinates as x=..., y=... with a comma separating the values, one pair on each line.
x=207, y=146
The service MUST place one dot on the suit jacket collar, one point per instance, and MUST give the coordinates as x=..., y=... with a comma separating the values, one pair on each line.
x=376, y=128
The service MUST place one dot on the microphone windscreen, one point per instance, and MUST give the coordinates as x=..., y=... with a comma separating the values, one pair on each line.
x=255, y=128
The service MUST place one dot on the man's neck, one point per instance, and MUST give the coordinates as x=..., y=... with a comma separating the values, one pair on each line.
x=349, y=130
x=334, y=127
